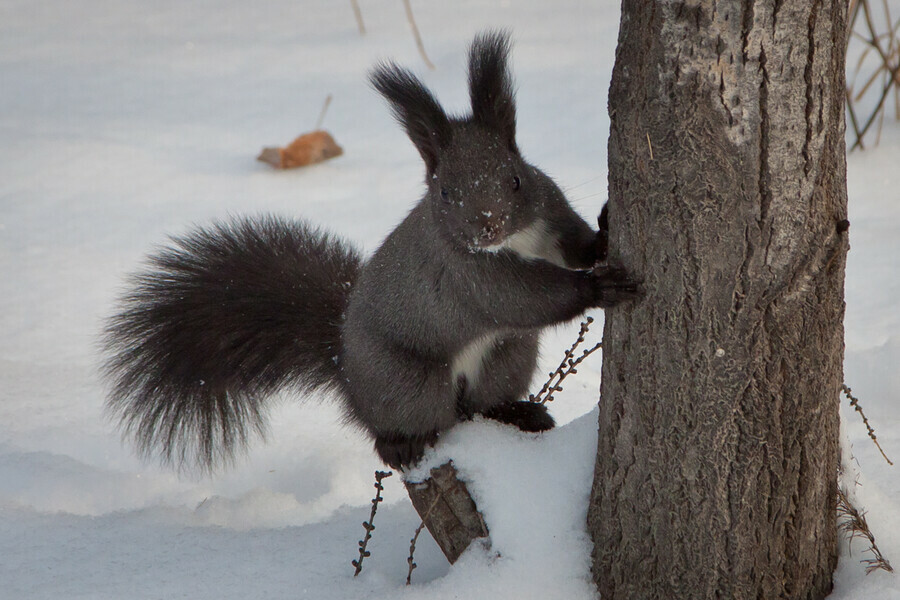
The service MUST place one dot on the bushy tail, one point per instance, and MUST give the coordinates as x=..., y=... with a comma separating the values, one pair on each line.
x=218, y=322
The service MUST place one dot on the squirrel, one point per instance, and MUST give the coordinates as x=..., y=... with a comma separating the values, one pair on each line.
x=439, y=325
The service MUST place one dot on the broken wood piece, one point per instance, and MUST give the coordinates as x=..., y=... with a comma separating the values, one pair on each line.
x=453, y=519
x=309, y=148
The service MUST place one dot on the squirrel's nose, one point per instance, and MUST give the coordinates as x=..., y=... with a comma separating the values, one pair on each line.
x=490, y=230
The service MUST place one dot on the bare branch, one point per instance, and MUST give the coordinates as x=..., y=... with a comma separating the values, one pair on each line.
x=369, y=525
x=415, y=31
x=324, y=110
x=412, y=542
x=358, y=14
x=854, y=402
x=566, y=367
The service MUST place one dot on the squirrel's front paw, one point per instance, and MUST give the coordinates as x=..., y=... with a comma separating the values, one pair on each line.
x=399, y=451
x=613, y=285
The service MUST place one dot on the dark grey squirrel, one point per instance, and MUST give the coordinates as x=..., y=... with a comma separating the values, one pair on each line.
x=439, y=325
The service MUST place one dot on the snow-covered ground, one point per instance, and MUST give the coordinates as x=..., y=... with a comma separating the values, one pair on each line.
x=122, y=122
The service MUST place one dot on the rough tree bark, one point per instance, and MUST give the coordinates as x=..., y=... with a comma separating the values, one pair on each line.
x=718, y=439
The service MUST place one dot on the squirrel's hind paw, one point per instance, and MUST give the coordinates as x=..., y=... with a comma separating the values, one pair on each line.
x=399, y=450
x=527, y=416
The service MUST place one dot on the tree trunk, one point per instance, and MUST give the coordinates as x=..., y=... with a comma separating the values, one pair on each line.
x=718, y=453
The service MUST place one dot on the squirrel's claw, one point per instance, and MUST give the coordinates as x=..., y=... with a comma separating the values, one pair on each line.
x=614, y=285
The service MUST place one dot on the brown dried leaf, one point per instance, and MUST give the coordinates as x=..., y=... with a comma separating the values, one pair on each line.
x=308, y=149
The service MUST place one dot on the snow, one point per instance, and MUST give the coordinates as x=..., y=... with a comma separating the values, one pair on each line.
x=124, y=122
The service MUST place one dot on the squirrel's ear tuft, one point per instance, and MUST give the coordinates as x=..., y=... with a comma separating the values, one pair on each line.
x=415, y=108
x=490, y=85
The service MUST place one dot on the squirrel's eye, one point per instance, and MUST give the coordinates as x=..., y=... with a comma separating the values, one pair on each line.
x=516, y=184
x=444, y=193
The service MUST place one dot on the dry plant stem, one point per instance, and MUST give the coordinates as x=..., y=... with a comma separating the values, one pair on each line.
x=566, y=367
x=585, y=325
x=369, y=525
x=854, y=524
x=854, y=122
x=415, y=31
x=879, y=109
x=852, y=11
x=412, y=542
x=358, y=14
x=894, y=51
x=890, y=74
x=854, y=402
x=869, y=23
x=324, y=110
x=870, y=81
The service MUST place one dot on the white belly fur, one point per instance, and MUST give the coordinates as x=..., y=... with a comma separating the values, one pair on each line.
x=533, y=242
x=469, y=360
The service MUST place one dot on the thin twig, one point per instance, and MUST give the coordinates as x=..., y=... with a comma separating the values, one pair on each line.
x=369, y=525
x=881, y=112
x=869, y=23
x=415, y=31
x=324, y=110
x=871, y=80
x=851, y=22
x=412, y=542
x=358, y=14
x=887, y=19
x=854, y=524
x=566, y=367
x=887, y=71
x=854, y=122
x=878, y=107
x=854, y=402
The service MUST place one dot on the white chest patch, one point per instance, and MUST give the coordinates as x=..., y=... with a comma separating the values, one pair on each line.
x=533, y=242
x=468, y=362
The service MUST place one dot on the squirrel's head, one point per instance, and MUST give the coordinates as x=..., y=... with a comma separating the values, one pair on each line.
x=479, y=187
